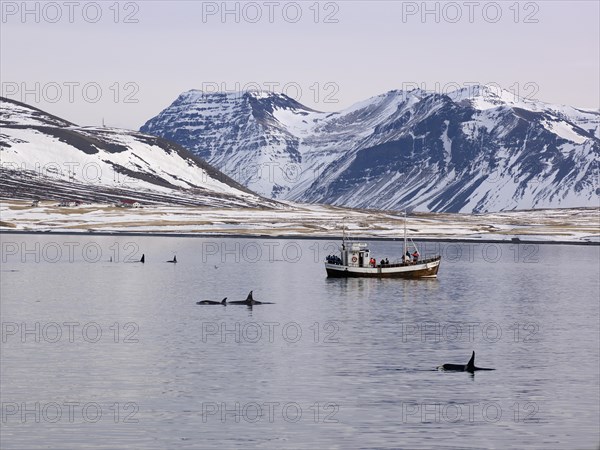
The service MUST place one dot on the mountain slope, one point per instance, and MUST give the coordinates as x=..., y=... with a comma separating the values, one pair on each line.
x=43, y=156
x=473, y=150
x=229, y=130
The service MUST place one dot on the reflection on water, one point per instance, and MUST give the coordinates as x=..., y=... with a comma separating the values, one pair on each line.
x=118, y=355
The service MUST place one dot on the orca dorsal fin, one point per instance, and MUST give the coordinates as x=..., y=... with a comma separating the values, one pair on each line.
x=471, y=363
x=249, y=298
x=224, y=301
x=143, y=258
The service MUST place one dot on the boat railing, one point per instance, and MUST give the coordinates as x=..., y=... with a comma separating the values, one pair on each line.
x=410, y=263
x=338, y=262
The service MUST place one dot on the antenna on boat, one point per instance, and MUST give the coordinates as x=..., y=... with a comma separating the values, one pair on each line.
x=405, y=242
x=343, y=233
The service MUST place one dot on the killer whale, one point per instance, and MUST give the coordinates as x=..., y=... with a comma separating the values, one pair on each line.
x=211, y=302
x=250, y=301
x=143, y=258
x=174, y=260
x=469, y=367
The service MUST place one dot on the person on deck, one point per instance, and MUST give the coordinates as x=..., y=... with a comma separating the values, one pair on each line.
x=415, y=256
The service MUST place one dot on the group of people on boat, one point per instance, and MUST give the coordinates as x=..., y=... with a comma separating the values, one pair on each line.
x=414, y=257
x=333, y=259
x=408, y=259
x=382, y=263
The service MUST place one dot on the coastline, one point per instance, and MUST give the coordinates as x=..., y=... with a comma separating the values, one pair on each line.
x=294, y=237
x=573, y=226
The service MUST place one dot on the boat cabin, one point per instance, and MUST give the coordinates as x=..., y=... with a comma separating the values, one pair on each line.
x=355, y=254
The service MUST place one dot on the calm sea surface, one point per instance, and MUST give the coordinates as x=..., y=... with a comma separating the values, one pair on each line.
x=100, y=354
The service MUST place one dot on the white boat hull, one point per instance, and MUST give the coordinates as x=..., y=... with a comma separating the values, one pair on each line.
x=422, y=269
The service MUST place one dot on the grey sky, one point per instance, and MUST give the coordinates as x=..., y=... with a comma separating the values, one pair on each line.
x=547, y=50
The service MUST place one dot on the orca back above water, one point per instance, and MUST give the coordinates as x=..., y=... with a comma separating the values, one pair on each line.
x=469, y=367
x=174, y=260
x=249, y=301
x=212, y=302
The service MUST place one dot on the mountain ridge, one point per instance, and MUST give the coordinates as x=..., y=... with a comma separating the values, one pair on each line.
x=476, y=149
x=44, y=156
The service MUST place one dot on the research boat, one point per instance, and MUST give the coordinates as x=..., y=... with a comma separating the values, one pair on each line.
x=356, y=261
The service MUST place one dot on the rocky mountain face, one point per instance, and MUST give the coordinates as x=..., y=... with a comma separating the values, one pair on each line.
x=476, y=149
x=45, y=157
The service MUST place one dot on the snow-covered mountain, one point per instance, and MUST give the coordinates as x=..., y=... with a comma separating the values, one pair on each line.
x=474, y=150
x=45, y=157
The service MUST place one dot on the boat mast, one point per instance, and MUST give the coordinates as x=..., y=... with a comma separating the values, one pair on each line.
x=405, y=245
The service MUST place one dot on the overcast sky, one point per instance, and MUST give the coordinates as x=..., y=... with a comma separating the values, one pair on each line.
x=124, y=62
